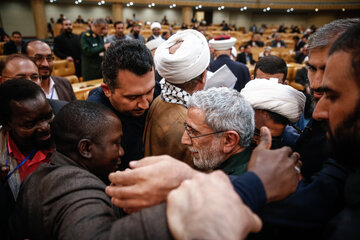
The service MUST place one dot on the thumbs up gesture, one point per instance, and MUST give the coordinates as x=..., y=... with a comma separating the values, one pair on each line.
x=278, y=170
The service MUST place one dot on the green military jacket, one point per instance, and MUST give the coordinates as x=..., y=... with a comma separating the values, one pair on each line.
x=92, y=46
x=237, y=164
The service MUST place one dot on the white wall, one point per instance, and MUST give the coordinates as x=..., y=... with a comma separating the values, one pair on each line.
x=71, y=11
x=17, y=16
x=154, y=14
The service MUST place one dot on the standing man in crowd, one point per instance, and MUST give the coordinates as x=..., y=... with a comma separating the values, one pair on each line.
x=222, y=46
x=155, y=28
x=246, y=57
x=93, y=48
x=119, y=33
x=67, y=46
x=57, y=88
x=15, y=44
x=135, y=33
x=128, y=89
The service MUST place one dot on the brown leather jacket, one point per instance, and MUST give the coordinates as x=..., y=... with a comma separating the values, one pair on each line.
x=164, y=128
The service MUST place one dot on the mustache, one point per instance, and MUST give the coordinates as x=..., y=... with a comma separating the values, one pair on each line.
x=44, y=68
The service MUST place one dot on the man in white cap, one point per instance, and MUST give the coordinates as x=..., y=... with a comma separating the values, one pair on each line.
x=181, y=61
x=222, y=46
x=276, y=106
x=155, y=28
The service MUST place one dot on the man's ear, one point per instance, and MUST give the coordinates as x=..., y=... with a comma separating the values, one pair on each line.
x=231, y=140
x=84, y=148
x=203, y=77
x=106, y=89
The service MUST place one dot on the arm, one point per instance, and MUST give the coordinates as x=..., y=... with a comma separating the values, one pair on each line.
x=88, y=49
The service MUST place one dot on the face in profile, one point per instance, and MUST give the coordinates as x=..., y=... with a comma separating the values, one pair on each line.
x=106, y=149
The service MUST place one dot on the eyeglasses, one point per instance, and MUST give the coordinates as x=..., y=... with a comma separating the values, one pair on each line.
x=40, y=58
x=202, y=135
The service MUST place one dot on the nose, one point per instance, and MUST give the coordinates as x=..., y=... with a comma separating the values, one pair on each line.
x=44, y=126
x=321, y=111
x=144, y=102
x=121, y=151
x=316, y=79
x=185, y=139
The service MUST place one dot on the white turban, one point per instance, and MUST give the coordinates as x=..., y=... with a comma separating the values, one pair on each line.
x=155, y=43
x=155, y=25
x=189, y=61
x=274, y=97
x=222, y=42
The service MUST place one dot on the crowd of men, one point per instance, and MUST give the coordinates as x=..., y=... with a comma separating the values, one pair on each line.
x=205, y=150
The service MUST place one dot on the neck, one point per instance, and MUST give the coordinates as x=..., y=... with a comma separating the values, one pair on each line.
x=236, y=150
x=25, y=149
x=45, y=84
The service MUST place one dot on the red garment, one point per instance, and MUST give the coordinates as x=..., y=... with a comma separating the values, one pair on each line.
x=41, y=156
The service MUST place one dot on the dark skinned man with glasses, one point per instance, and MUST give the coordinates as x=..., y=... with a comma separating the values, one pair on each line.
x=54, y=87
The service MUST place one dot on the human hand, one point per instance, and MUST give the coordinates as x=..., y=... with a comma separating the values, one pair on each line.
x=147, y=182
x=70, y=59
x=4, y=171
x=277, y=169
x=207, y=207
x=107, y=45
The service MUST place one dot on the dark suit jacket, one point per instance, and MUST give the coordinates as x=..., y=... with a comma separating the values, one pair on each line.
x=241, y=57
x=67, y=45
x=71, y=203
x=238, y=69
x=257, y=43
x=10, y=47
x=64, y=89
x=151, y=38
x=274, y=43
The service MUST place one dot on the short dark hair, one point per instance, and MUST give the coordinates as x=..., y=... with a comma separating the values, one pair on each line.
x=271, y=65
x=296, y=37
x=16, y=32
x=78, y=120
x=349, y=42
x=126, y=55
x=118, y=22
x=11, y=57
x=16, y=90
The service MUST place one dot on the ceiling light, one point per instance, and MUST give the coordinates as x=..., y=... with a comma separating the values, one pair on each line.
x=153, y=4
x=245, y=7
x=316, y=9
x=268, y=8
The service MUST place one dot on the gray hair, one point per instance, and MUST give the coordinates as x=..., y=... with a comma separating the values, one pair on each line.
x=327, y=34
x=226, y=109
x=99, y=21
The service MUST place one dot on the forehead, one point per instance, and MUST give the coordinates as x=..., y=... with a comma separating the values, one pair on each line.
x=16, y=35
x=318, y=56
x=339, y=71
x=131, y=84
x=39, y=48
x=119, y=25
x=196, y=119
x=65, y=22
x=30, y=108
x=19, y=66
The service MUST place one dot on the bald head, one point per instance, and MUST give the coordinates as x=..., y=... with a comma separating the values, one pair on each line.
x=19, y=66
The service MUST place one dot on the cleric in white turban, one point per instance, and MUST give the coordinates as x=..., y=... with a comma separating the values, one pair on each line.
x=182, y=61
x=155, y=28
x=276, y=106
x=270, y=95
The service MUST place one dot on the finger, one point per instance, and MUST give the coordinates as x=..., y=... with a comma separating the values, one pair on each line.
x=257, y=223
x=295, y=157
x=124, y=192
x=124, y=178
x=265, y=138
x=131, y=203
x=145, y=162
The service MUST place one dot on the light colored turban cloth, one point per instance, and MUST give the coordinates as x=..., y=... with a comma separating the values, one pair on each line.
x=278, y=98
x=155, y=25
x=155, y=43
x=189, y=61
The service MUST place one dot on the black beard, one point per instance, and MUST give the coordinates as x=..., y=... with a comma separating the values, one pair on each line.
x=345, y=141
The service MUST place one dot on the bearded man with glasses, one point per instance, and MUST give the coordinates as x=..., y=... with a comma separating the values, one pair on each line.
x=218, y=130
x=57, y=88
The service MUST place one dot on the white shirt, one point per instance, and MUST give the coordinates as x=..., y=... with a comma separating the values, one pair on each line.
x=52, y=91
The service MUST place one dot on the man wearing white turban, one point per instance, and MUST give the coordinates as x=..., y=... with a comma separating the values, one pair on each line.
x=181, y=61
x=276, y=106
x=222, y=46
x=155, y=28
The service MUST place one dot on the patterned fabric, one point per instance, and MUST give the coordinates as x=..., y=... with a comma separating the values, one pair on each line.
x=173, y=94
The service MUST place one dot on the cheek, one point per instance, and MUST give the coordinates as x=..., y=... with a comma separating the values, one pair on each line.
x=24, y=133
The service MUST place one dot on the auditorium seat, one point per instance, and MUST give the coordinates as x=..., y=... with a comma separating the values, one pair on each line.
x=65, y=68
